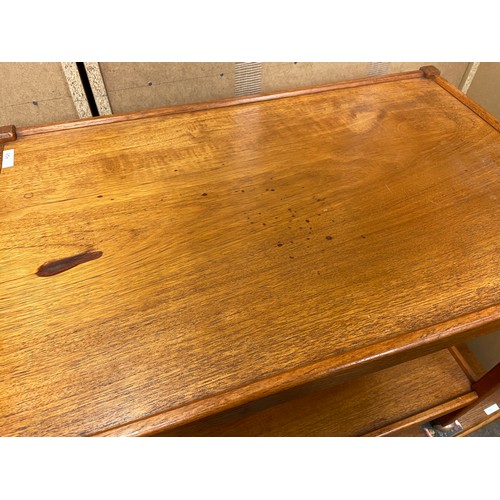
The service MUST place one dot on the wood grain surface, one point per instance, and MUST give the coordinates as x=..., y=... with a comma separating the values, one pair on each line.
x=406, y=427
x=374, y=404
x=245, y=249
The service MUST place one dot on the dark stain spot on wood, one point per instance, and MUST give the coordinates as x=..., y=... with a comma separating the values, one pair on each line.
x=363, y=236
x=279, y=245
x=53, y=267
x=291, y=257
x=307, y=220
x=99, y=195
x=328, y=237
x=204, y=194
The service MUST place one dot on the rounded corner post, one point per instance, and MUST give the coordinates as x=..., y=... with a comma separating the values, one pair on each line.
x=430, y=71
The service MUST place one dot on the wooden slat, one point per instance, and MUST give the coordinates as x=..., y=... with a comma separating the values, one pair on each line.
x=468, y=361
x=474, y=106
x=489, y=383
x=375, y=404
x=406, y=425
x=477, y=418
x=216, y=104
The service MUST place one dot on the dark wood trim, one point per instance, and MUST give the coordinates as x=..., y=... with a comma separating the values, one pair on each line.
x=488, y=382
x=484, y=387
x=8, y=133
x=341, y=367
x=221, y=103
x=430, y=71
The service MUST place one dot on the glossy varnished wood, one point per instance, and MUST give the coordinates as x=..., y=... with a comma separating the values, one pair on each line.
x=477, y=418
x=371, y=404
x=408, y=425
x=487, y=385
x=246, y=249
x=220, y=103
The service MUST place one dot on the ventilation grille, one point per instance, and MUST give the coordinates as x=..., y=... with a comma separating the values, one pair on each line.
x=247, y=78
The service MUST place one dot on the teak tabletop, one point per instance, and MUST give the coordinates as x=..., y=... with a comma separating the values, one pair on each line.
x=161, y=266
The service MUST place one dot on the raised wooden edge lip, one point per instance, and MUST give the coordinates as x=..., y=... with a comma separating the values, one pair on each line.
x=424, y=416
x=8, y=133
x=430, y=71
x=467, y=101
x=408, y=346
x=220, y=103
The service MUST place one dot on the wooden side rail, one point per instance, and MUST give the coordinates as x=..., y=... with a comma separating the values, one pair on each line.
x=484, y=387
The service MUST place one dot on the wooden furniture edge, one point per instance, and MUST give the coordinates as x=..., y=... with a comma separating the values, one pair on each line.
x=432, y=73
x=425, y=416
x=468, y=362
x=342, y=367
x=479, y=425
x=484, y=387
x=215, y=104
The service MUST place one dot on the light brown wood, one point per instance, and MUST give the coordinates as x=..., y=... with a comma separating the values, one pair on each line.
x=248, y=247
x=394, y=397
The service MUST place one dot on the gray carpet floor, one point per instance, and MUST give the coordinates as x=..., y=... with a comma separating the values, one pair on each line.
x=490, y=430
